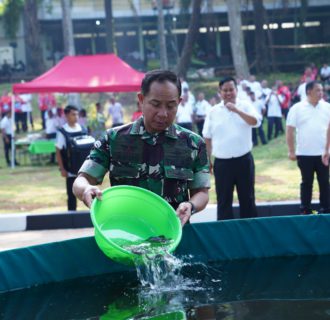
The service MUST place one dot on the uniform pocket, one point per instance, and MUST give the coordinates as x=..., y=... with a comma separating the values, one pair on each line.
x=125, y=172
x=179, y=173
x=176, y=184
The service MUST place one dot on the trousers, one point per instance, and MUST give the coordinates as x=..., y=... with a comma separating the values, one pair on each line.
x=233, y=172
x=72, y=200
x=309, y=165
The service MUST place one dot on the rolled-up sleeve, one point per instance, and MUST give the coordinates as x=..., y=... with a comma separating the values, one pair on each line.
x=97, y=163
x=201, y=178
x=251, y=110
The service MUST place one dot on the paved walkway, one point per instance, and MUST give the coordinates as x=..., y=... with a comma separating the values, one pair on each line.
x=19, y=239
x=12, y=240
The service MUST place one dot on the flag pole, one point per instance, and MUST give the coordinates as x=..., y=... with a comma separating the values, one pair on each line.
x=13, y=131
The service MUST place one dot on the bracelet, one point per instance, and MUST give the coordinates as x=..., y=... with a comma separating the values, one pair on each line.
x=193, y=208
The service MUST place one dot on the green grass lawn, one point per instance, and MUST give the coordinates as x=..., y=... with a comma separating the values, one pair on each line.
x=40, y=188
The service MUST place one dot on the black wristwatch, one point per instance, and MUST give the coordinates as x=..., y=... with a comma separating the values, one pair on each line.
x=193, y=208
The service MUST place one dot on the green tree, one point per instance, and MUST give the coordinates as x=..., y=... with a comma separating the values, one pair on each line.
x=13, y=10
x=162, y=36
x=262, y=53
x=34, y=59
x=109, y=27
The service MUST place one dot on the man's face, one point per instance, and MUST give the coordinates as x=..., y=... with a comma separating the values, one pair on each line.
x=316, y=94
x=72, y=117
x=159, y=106
x=228, y=92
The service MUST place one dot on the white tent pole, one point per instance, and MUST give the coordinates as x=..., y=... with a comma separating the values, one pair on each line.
x=13, y=131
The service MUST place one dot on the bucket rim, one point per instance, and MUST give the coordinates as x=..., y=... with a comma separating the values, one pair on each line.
x=148, y=192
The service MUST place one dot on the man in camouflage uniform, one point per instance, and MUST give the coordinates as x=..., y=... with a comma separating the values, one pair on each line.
x=152, y=152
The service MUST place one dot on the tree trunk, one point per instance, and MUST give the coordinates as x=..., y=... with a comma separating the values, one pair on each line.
x=162, y=36
x=69, y=49
x=302, y=19
x=262, y=54
x=34, y=60
x=188, y=47
x=210, y=22
x=109, y=34
x=237, y=39
x=271, y=44
x=136, y=12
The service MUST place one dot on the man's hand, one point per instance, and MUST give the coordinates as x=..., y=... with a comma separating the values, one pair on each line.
x=89, y=194
x=231, y=106
x=184, y=212
x=292, y=156
x=325, y=158
x=211, y=167
x=64, y=173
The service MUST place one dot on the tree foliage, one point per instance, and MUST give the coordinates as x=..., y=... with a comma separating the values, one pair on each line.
x=12, y=10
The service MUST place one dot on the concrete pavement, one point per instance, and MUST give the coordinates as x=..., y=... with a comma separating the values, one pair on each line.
x=13, y=234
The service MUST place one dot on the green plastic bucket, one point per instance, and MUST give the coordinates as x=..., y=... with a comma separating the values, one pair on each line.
x=128, y=214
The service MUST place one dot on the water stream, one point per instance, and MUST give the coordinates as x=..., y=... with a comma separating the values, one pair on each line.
x=156, y=267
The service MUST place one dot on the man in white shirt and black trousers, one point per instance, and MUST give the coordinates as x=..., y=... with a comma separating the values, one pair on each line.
x=228, y=136
x=310, y=119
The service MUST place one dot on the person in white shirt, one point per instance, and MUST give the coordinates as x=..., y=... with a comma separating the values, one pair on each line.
x=325, y=72
x=191, y=97
x=265, y=90
x=301, y=91
x=228, y=136
x=274, y=114
x=261, y=109
x=201, y=109
x=7, y=133
x=242, y=86
x=310, y=120
x=72, y=128
x=115, y=111
x=26, y=111
x=326, y=154
x=52, y=122
x=184, y=116
x=184, y=85
x=255, y=86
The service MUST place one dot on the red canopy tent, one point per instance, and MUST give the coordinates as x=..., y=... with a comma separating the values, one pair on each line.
x=96, y=73
x=73, y=74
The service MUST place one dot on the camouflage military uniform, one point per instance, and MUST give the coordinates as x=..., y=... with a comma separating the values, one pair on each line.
x=168, y=163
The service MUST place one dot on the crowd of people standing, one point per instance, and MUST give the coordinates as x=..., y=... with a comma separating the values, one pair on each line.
x=231, y=122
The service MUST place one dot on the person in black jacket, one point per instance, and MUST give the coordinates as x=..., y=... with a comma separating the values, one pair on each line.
x=70, y=129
